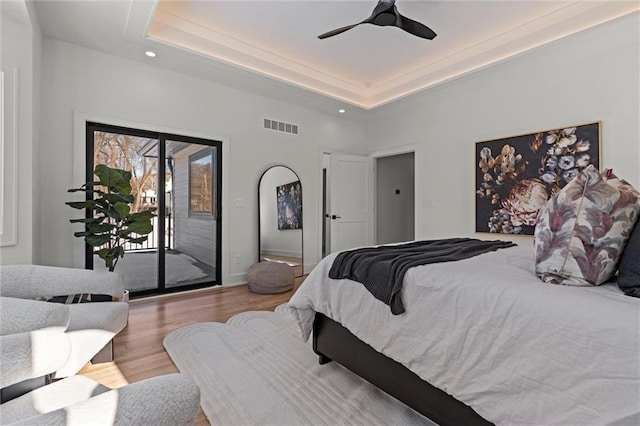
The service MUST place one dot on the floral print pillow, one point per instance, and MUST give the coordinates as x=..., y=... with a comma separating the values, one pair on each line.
x=582, y=230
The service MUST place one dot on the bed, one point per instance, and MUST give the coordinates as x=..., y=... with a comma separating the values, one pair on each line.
x=483, y=340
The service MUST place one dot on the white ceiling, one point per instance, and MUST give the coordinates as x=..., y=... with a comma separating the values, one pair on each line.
x=238, y=41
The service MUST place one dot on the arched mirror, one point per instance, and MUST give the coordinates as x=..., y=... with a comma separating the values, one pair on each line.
x=280, y=211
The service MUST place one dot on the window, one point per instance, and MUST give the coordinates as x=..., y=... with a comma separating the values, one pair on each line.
x=201, y=187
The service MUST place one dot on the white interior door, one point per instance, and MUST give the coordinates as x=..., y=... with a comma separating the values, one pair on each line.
x=351, y=206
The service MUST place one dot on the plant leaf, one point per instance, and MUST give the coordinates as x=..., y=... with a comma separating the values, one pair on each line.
x=115, y=179
x=142, y=216
x=141, y=228
x=100, y=228
x=103, y=252
x=81, y=204
x=87, y=220
x=106, y=255
x=114, y=198
x=138, y=240
x=111, y=212
x=97, y=240
x=123, y=209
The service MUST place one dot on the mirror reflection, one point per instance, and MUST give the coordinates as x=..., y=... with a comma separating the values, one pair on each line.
x=280, y=211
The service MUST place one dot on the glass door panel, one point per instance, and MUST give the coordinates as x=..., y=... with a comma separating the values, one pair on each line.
x=139, y=265
x=191, y=197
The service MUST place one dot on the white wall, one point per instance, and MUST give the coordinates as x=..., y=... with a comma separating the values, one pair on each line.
x=20, y=48
x=93, y=83
x=281, y=242
x=591, y=76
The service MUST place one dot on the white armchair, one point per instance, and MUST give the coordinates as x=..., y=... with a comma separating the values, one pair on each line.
x=33, y=343
x=164, y=400
x=92, y=326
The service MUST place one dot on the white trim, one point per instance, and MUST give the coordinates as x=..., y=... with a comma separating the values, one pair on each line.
x=403, y=149
x=2, y=154
x=308, y=267
x=396, y=150
x=80, y=120
x=9, y=157
x=238, y=279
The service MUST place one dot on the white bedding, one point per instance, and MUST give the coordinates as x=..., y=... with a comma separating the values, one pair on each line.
x=487, y=331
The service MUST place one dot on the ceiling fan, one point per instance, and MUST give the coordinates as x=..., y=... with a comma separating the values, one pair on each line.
x=386, y=14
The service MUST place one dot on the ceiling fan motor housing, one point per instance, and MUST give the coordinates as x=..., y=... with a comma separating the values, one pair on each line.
x=386, y=18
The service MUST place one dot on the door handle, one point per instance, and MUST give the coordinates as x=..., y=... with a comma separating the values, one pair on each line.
x=334, y=217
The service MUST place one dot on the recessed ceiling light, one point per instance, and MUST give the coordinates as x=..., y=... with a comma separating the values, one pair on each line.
x=150, y=54
x=341, y=111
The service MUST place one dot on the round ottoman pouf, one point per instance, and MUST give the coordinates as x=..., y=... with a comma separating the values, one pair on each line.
x=270, y=277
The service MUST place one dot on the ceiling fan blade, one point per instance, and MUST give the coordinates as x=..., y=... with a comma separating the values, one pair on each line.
x=415, y=28
x=381, y=7
x=337, y=31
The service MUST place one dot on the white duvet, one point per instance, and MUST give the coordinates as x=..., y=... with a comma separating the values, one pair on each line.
x=487, y=331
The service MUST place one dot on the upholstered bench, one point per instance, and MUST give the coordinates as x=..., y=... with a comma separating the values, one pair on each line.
x=270, y=277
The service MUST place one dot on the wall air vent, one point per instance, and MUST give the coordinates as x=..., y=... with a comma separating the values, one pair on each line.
x=280, y=126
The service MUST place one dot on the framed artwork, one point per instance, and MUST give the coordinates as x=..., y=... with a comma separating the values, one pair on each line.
x=289, y=201
x=515, y=176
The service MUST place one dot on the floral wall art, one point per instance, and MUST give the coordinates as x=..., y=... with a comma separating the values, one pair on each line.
x=515, y=176
x=289, y=199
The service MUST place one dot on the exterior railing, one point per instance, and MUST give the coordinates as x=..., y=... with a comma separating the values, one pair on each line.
x=152, y=242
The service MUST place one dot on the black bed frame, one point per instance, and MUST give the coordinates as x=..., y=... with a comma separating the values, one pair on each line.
x=332, y=341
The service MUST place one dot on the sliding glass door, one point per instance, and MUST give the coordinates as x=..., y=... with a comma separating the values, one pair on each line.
x=179, y=179
x=192, y=200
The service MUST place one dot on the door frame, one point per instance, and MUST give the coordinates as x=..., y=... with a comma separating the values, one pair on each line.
x=408, y=149
x=403, y=149
x=322, y=164
x=80, y=120
x=162, y=138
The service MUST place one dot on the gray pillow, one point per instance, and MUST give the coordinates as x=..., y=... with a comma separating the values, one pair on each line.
x=629, y=267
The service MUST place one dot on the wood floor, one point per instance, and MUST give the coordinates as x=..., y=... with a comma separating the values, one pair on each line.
x=138, y=350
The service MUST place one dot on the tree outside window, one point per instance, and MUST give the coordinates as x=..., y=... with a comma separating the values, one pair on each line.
x=121, y=151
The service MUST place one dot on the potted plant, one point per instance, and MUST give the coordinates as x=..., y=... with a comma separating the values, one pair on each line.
x=112, y=224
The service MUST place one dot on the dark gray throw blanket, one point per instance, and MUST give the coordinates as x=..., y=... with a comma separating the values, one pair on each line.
x=381, y=269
